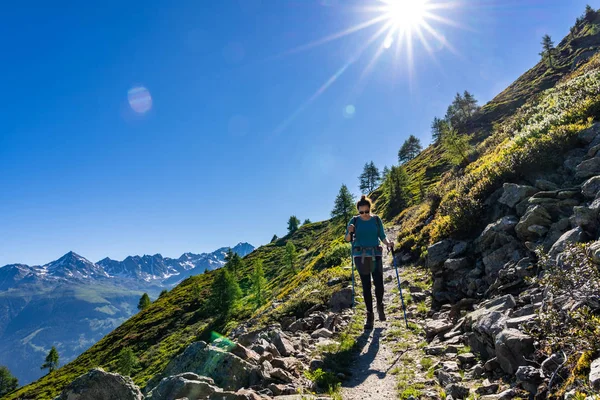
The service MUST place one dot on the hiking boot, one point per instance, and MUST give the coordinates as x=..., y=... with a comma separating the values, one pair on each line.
x=370, y=320
x=380, y=312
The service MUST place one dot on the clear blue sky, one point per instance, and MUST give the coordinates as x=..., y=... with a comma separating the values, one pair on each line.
x=231, y=146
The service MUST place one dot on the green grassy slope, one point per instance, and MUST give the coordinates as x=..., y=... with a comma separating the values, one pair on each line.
x=181, y=317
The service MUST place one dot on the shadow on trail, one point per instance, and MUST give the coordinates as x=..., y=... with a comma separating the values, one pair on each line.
x=363, y=362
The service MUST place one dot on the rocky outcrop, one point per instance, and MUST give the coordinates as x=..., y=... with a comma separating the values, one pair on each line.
x=227, y=370
x=188, y=385
x=100, y=385
x=595, y=374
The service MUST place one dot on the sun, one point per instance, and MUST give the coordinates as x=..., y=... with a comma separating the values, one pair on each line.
x=405, y=14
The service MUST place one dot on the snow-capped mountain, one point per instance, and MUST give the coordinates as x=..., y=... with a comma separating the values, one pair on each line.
x=156, y=270
x=73, y=302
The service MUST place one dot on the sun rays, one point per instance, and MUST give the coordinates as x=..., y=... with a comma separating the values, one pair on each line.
x=401, y=26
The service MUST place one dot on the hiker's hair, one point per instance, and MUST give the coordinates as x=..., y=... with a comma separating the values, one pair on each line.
x=364, y=201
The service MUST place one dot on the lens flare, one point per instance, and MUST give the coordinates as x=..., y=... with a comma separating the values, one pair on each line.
x=139, y=99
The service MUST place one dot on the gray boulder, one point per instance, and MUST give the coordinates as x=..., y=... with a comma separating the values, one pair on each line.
x=322, y=333
x=588, y=168
x=228, y=370
x=591, y=187
x=437, y=253
x=457, y=391
x=530, y=378
x=594, y=252
x=595, y=374
x=588, y=135
x=496, y=234
x=584, y=217
x=575, y=235
x=100, y=385
x=512, y=347
x=455, y=264
x=535, y=215
x=545, y=185
x=514, y=193
x=341, y=299
x=283, y=344
x=435, y=327
x=183, y=385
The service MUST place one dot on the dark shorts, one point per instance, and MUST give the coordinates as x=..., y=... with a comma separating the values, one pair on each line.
x=368, y=266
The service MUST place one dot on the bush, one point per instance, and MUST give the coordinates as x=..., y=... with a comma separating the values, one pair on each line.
x=570, y=313
x=325, y=380
x=336, y=256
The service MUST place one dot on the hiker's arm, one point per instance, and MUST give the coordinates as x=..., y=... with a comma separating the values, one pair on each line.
x=349, y=229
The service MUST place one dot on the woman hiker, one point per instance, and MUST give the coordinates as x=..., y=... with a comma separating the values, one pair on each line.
x=367, y=254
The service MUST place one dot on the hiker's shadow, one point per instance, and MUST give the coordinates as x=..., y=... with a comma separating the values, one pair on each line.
x=363, y=362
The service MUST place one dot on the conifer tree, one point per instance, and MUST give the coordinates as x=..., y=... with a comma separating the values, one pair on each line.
x=291, y=256
x=259, y=283
x=343, y=205
x=456, y=147
x=293, y=224
x=144, y=302
x=307, y=221
x=126, y=361
x=8, y=382
x=370, y=177
x=409, y=150
x=438, y=126
x=397, y=189
x=224, y=293
x=51, y=361
x=548, y=50
x=274, y=238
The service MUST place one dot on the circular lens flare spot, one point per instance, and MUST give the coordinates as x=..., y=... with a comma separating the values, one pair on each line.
x=139, y=99
x=349, y=111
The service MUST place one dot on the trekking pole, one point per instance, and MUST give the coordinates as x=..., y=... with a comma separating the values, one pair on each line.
x=400, y=289
x=352, y=258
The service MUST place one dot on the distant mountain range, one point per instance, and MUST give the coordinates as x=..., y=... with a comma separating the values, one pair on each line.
x=71, y=303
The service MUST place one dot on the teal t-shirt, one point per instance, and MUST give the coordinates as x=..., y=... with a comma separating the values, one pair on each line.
x=368, y=234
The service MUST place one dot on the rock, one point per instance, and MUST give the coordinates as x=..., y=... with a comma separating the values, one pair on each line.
x=535, y=215
x=506, y=395
x=585, y=217
x=316, y=364
x=285, y=390
x=336, y=280
x=500, y=304
x=450, y=366
x=228, y=370
x=333, y=322
x=515, y=193
x=271, y=349
x=341, y=299
x=591, y=187
x=434, y=350
x=518, y=321
x=589, y=134
x=438, y=253
x=459, y=249
x=445, y=378
x=487, y=388
x=496, y=234
x=455, y=264
x=491, y=365
x=595, y=374
x=100, y=385
x=530, y=378
x=457, y=391
x=281, y=375
x=594, y=252
x=435, y=327
x=575, y=235
x=545, y=185
x=512, y=347
x=588, y=168
x=322, y=333
x=283, y=344
x=490, y=324
x=183, y=385
x=467, y=359
x=497, y=259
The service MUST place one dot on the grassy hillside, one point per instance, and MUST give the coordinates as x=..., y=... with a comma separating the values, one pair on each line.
x=572, y=53
x=524, y=129
x=182, y=316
